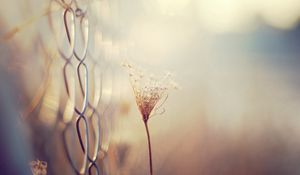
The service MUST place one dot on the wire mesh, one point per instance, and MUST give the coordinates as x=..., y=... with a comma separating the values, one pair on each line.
x=69, y=97
x=76, y=28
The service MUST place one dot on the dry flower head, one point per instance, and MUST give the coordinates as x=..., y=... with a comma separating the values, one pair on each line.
x=38, y=167
x=149, y=90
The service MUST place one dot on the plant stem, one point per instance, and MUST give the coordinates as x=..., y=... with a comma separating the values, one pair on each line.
x=149, y=148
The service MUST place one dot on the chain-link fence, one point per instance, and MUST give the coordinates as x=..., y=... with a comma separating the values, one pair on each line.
x=67, y=71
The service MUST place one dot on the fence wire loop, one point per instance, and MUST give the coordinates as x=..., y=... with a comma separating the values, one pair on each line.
x=75, y=68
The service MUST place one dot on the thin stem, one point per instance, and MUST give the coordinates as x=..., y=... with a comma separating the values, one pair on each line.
x=149, y=147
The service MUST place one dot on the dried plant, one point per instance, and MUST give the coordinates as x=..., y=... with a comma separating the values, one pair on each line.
x=149, y=91
x=38, y=167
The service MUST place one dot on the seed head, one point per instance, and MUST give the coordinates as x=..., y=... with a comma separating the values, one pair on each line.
x=38, y=167
x=149, y=90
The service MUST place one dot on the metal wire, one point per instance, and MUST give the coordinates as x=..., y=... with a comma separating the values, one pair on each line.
x=73, y=15
x=82, y=76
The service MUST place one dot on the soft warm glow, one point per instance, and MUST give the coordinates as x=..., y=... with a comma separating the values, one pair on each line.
x=172, y=7
x=224, y=15
x=239, y=15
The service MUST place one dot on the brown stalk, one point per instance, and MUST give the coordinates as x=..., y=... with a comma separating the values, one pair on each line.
x=149, y=147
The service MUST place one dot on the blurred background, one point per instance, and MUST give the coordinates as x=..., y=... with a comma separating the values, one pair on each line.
x=236, y=62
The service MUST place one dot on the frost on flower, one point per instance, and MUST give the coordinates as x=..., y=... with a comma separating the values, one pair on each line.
x=149, y=90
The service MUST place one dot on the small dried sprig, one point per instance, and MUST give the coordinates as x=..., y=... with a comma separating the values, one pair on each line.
x=148, y=91
x=38, y=167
